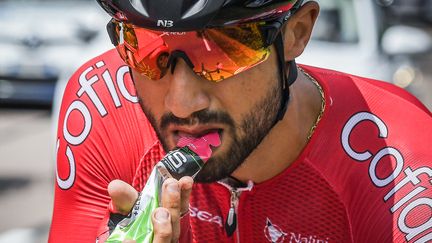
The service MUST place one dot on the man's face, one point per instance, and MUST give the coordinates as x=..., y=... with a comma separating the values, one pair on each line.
x=242, y=109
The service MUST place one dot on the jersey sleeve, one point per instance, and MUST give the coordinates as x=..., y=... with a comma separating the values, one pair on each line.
x=375, y=141
x=390, y=144
x=102, y=135
x=399, y=92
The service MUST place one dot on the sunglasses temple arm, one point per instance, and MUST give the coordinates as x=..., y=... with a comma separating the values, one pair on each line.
x=112, y=33
x=273, y=28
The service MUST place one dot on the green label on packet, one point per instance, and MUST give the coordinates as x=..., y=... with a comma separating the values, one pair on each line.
x=140, y=227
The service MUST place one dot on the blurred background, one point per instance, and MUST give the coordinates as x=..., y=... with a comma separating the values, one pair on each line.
x=42, y=42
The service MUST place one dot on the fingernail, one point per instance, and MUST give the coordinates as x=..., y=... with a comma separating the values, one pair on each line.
x=161, y=215
x=173, y=187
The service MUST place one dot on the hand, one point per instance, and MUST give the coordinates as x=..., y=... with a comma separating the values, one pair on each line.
x=165, y=219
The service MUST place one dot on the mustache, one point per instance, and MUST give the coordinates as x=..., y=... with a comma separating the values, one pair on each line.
x=199, y=117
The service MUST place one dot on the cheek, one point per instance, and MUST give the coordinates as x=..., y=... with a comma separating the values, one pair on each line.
x=241, y=94
x=151, y=95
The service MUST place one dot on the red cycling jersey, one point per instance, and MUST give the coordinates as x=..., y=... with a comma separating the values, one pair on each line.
x=363, y=177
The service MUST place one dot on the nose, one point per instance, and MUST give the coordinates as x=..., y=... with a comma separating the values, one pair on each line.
x=186, y=93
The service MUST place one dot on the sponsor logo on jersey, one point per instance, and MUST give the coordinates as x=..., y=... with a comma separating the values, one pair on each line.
x=115, y=82
x=408, y=203
x=275, y=234
x=205, y=216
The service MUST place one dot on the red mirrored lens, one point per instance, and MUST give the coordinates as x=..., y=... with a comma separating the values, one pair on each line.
x=216, y=53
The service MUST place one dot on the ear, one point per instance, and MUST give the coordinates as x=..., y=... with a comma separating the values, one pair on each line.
x=298, y=30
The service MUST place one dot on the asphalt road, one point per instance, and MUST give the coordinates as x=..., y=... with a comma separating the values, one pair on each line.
x=26, y=175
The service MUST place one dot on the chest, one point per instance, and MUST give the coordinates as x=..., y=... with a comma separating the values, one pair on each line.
x=299, y=208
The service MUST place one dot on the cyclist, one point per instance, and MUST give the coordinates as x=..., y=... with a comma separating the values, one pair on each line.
x=307, y=154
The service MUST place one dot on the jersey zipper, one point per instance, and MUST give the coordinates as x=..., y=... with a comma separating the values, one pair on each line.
x=232, y=221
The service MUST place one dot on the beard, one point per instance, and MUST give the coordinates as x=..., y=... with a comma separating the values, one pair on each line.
x=245, y=135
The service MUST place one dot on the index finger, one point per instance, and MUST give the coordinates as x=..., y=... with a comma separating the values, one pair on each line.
x=175, y=198
x=186, y=184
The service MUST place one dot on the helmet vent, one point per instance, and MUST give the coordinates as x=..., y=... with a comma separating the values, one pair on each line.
x=195, y=8
x=138, y=6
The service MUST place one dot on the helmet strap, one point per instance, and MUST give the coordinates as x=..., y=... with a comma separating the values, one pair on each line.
x=286, y=79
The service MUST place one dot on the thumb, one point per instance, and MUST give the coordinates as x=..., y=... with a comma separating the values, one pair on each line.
x=162, y=227
x=123, y=196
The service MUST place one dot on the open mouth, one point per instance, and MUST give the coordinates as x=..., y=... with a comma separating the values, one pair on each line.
x=182, y=136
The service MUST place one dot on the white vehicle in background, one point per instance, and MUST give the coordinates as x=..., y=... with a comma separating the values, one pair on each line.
x=40, y=41
x=348, y=37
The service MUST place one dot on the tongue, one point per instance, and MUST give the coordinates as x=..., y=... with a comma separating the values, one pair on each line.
x=201, y=145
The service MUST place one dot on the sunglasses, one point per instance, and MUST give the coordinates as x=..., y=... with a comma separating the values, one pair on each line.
x=213, y=53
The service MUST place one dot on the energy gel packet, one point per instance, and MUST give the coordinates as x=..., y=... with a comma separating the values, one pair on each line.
x=185, y=161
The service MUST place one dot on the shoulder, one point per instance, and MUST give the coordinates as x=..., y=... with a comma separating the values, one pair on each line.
x=102, y=135
x=356, y=88
x=372, y=145
x=92, y=72
x=101, y=126
x=99, y=93
x=365, y=118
